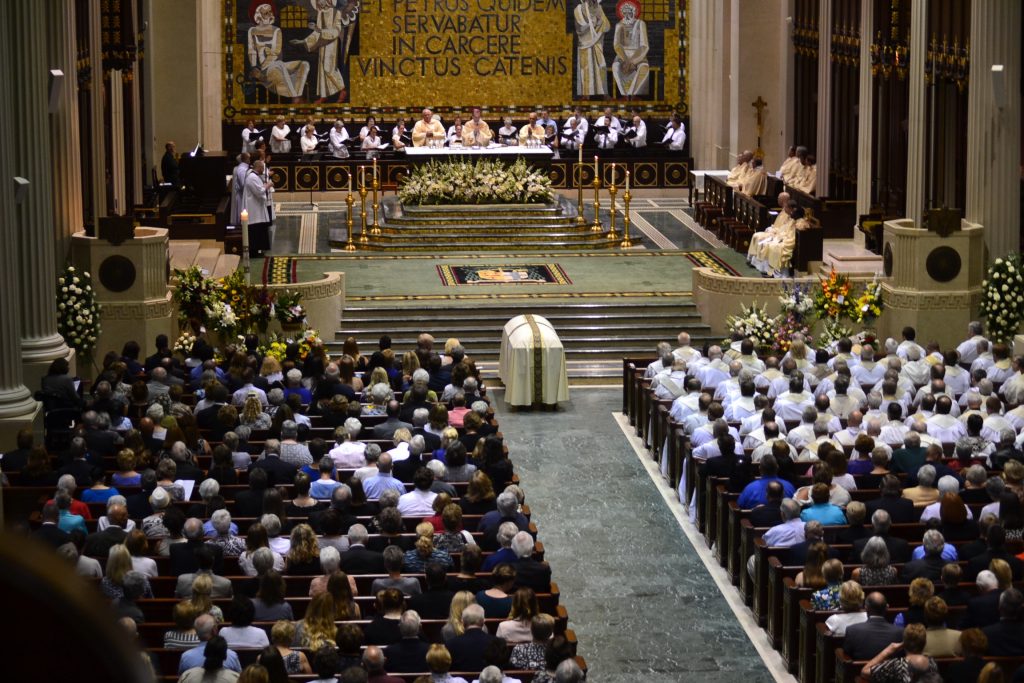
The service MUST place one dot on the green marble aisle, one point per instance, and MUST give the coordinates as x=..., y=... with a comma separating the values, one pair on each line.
x=638, y=595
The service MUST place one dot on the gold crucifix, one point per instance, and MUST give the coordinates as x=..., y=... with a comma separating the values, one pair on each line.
x=760, y=105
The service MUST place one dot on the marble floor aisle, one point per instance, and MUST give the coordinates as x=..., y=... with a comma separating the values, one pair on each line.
x=638, y=595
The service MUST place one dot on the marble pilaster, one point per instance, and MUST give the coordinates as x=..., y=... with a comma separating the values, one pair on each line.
x=993, y=132
x=822, y=150
x=40, y=342
x=916, y=111
x=16, y=404
x=115, y=92
x=64, y=133
x=865, y=117
x=97, y=102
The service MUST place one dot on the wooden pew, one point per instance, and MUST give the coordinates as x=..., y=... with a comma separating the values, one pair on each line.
x=837, y=217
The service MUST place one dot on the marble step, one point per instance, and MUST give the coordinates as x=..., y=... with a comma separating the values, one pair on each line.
x=570, y=337
x=475, y=210
x=667, y=326
x=452, y=234
x=454, y=245
x=603, y=310
x=434, y=221
x=182, y=253
x=466, y=228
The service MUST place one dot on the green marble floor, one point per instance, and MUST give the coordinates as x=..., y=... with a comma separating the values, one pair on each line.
x=639, y=597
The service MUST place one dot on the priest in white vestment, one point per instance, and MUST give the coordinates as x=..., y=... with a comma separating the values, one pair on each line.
x=254, y=201
x=759, y=239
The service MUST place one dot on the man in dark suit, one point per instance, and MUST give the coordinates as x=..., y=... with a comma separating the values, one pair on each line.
x=901, y=510
x=207, y=417
x=996, y=550
x=387, y=428
x=420, y=417
x=183, y=555
x=468, y=649
x=983, y=609
x=404, y=470
x=278, y=471
x=435, y=602
x=530, y=572
x=79, y=465
x=15, y=461
x=416, y=400
x=930, y=566
x=769, y=514
x=249, y=502
x=408, y=655
x=1006, y=636
x=359, y=559
x=864, y=641
x=49, y=532
x=508, y=511
x=100, y=440
x=185, y=468
x=98, y=544
x=909, y=458
x=341, y=498
x=899, y=549
x=163, y=350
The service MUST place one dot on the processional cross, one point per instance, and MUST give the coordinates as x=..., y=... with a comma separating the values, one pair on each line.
x=760, y=105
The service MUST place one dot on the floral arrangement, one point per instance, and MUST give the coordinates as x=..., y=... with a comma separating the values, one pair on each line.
x=832, y=298
x=797, y=305
x=753, y=322
x=78, y=314
x=1002, y=302
x=288, y=308
x=868, y=306
x=184, y=343
x=482, y=181
x=195, y=292
x=277, y=345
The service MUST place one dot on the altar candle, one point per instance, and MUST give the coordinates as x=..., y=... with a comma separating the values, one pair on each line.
x=245, y=231
x=613, y=173
x=375, y=168
x=595, y=165
x=581, y=159
x=350, y=183
x=362, y=177
x=627, y=181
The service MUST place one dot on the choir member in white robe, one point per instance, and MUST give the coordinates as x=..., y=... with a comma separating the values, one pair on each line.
x=507, y=134
x=372, y=141
x=609, y=139
x=338, y=138
x=640, y=128
x=237, y=187
x=574, y=132
x=400, y=135
x=675, y=134
x=279, y=142
x=759, y=239
x=308, y=141
x=450, y=136
x=250, y=136
x=591, y=26
x=630, y=68
x=254, y=200
x=371, y=122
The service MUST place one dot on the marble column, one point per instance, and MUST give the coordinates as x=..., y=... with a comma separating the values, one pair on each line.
x=16, y=404
x=993, y=132
x=916, y=112
x=40, y=342
x=97, y=100
x=210, y=23
x=865, y=115
x=822, y=151
x=64, y=136
x=117, y=133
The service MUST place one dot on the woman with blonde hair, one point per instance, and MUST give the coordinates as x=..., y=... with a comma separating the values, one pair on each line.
x=454, y=627
x=282, y=635
x=517, y=629
x=410, y=364
x=270, y=370
x=119, y=563
x=317, y=628
x=798, y=352
x=350, y=348
x=416, y=560
x=812, y=575
x=920, y=591
x=339, y=586
x=303, y=556
x=439, y=661
x=252, y=414
x=202, y=597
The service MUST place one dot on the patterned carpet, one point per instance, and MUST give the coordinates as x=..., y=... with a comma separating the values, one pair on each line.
x=280, y=270
x=707, y=259
x=516, y=274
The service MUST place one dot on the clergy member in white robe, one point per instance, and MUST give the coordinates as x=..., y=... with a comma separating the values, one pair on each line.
x=237, y=188
x=254, y=200
x=738, y=173
x=756, y=182
x=791, y=163
x=759, y=239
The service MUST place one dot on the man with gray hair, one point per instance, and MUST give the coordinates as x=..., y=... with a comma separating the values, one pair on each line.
x=279, y=472
x=438, y=469
x=658, y=364
x=409, y=654
x=359, y=559
x=394, y=558
x=491, y=674
x=420, y=418
x=373, y=662
x=569, y=671
x=348, y=452
x=931, y=561
x=370, y=469
x=206, y=628
x=468, y=649
x=925, y=493
x=293, y=452
x=405, y=469
x=968, y=349
x=530, y=572
x=504, y=555
x=507, y=511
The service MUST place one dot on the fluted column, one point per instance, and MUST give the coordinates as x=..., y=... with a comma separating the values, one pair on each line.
x=823, y=143
x=916, y=110
x=15, y=399
x=65, y=161
x=40, y=342
x=865, y=117
x=117, y=166
x=97, y=100
x=993, y=133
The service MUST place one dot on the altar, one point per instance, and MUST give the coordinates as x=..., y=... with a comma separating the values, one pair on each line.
x=531, y=362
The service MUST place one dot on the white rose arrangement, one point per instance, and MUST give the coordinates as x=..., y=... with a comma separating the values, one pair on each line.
x=78, y=314
x=1002, y=303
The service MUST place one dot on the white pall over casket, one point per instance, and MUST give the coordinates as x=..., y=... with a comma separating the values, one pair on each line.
x=532, y=362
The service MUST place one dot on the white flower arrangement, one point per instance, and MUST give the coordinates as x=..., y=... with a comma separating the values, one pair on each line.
x=483, y=181
x=184, y=343
x=1002, y=302
x=78, y=314
x=753, y=322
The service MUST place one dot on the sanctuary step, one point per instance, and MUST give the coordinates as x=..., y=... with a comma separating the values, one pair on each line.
x=527, y=227
x=216, y=264
x=596, y=335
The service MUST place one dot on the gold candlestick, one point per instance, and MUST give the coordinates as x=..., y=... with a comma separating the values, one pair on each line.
x=611, y=228
x=362, y=215
x=626, y=241
x=375, y=228
x=350, y=245
x=596, y=225
x=580, y=220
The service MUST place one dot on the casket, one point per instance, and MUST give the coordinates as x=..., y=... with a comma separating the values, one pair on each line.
x=532, y=362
